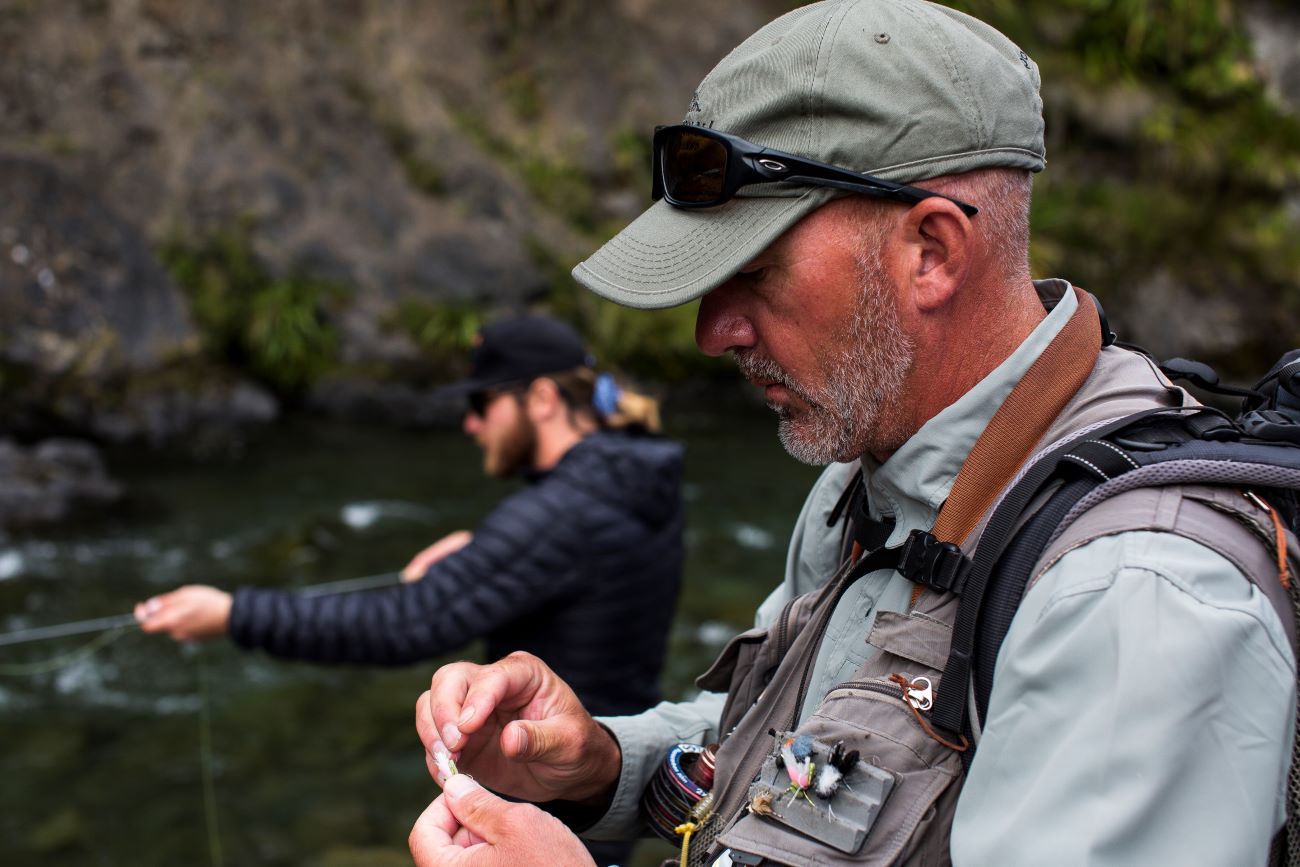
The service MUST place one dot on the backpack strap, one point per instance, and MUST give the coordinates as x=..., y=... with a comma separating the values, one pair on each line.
x=1038, y=521
x=1014, y=432
x=861, y=532
x=1148, y=449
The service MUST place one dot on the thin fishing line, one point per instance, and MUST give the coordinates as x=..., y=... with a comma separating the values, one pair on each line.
x=45, y=666
x=207, y=764
x=348, y=585
x=125, y=622
x=64, y=630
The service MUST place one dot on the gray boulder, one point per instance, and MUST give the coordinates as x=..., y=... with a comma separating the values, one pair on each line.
x=50, y=481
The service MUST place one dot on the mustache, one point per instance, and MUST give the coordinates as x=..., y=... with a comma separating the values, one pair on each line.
x=758, y=367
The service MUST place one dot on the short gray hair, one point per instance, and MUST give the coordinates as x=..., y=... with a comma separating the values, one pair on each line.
x=1003, y=197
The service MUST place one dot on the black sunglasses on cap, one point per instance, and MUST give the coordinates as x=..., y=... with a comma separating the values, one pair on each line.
x=698, y=167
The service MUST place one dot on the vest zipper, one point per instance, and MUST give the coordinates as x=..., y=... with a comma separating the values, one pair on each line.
x=783, y=627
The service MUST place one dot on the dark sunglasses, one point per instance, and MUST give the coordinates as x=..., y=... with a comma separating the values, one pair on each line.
x=697, y=167
x=478, y=400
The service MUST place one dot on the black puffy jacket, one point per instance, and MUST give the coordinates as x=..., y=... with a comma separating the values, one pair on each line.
x=581, y=568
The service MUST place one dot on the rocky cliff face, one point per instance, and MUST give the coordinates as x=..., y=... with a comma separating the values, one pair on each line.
x=207, y=208
x=409, y=153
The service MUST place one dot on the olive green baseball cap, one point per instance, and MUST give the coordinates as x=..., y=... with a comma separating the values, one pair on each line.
x=901, y=89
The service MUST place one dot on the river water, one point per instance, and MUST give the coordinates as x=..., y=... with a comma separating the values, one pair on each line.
x=146, y=752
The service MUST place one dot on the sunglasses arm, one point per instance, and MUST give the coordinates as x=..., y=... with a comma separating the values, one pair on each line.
x=902, y=193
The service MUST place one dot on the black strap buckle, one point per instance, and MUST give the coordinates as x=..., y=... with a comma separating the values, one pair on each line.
x=938, y=565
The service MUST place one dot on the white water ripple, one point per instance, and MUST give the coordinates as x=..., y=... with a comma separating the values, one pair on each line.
x=749, y=536
x=365, y=514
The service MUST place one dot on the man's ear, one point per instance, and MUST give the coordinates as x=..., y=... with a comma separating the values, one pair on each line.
x=939, y=241
x=542, y=401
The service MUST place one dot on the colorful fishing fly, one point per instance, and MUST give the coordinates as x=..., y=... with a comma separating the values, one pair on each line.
x=797, y=754
x=831, y=775
x=443, y=761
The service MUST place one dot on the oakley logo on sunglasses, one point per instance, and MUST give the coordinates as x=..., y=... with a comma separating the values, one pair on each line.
x=697, y=167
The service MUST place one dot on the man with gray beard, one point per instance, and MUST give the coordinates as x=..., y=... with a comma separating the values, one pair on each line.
x=875, y=355
x=849, y=201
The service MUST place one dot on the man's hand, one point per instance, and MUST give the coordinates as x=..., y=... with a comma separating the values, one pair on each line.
x=192, y=613
x=448, y=544
x=468, y=826
x=518, y=729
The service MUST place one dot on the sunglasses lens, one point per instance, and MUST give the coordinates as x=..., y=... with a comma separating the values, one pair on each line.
x=477, y=403
x=694, y=167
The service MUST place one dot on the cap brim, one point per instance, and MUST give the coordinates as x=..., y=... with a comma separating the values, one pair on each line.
x=669, y=256
x=464, y=387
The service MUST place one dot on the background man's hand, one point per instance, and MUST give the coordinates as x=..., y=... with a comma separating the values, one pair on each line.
x=468, y=826
x=448, y=544
x=192, y=613
x=519, y=729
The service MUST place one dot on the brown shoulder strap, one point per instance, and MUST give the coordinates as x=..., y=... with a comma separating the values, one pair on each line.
x=1021, y=421
x=1018, y=425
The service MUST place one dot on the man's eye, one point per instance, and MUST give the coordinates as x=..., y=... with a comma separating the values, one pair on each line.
x=754, y=275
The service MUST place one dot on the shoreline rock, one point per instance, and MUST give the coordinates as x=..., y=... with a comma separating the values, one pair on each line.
x=52, y=481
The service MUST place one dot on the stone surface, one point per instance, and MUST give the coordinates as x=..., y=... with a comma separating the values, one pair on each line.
x=80, y=291
x=50, y=481
x=401, y=149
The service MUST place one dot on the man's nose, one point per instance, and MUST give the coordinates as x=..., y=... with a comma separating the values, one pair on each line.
x=721, y=324
x=471, y=423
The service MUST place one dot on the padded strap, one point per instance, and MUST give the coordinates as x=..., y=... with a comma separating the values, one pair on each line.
x=1021, y=421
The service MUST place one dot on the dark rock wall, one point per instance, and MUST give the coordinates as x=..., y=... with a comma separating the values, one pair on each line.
x=412, y=165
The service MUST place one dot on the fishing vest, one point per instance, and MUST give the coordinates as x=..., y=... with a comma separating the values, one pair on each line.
x=907, y=775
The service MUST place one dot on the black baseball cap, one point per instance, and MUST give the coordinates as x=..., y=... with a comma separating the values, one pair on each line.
x=519, y=349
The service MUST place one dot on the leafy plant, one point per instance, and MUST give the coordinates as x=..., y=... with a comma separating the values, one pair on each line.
x=275, y=327
x=444, y=331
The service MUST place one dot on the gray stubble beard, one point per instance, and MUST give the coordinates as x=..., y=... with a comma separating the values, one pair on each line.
x=858, y=408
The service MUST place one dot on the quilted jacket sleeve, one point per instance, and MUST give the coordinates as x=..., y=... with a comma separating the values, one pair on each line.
x=521, y=557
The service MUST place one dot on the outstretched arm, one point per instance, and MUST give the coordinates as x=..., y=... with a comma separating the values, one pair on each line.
x=512, y=565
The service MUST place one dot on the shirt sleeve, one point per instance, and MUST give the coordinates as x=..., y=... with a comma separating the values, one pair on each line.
x=1142, y=713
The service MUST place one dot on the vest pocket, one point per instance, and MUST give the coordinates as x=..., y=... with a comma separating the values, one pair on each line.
x=913, y=824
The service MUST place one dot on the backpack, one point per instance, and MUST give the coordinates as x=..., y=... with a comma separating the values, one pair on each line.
x=1256, y=450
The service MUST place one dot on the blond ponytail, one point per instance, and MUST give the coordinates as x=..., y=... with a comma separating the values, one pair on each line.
x=613, y=406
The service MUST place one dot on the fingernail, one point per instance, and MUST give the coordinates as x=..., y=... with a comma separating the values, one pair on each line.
x=450, y=735
x=152, y=606
x=466, y=714
x=521, y=739
x=458, y=785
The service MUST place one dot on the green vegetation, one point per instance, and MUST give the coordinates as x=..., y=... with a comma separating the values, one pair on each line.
x=275, y=327
x=632, y=159
x=557, y=185
x=442, y=331
x=424, y=174
x=1200, y=183
x=657, y=345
